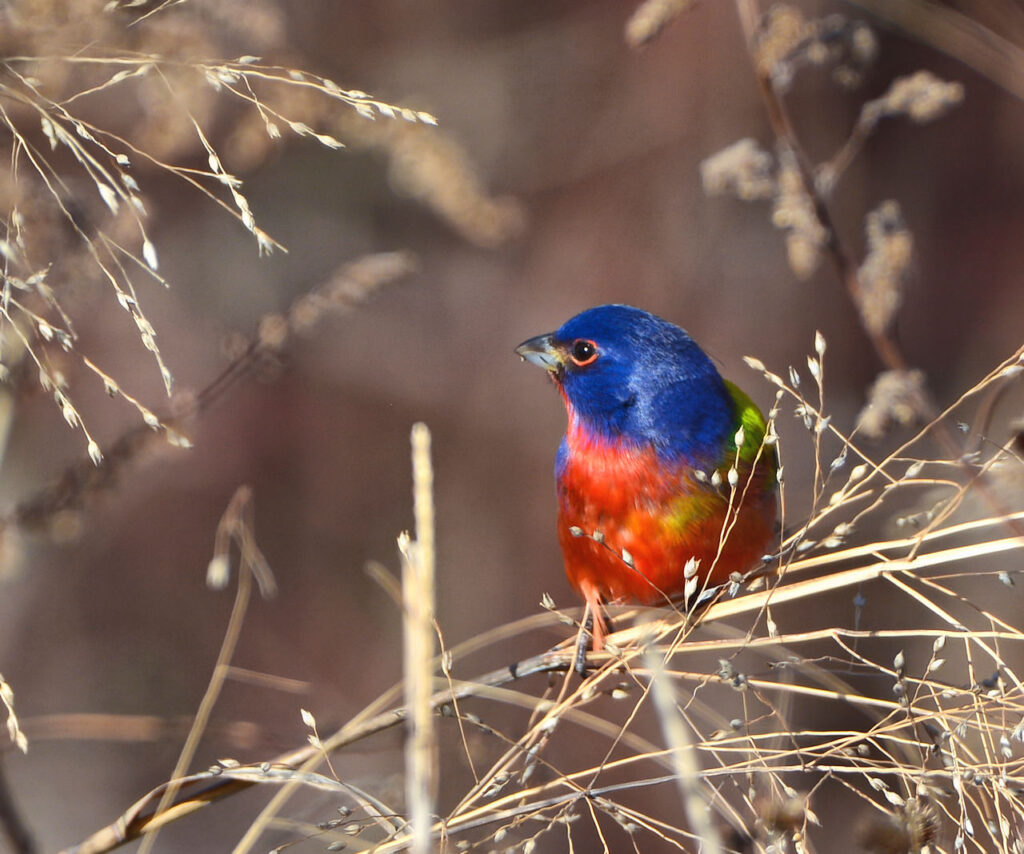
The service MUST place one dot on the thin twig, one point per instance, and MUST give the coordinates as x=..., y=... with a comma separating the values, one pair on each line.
x=235, y=513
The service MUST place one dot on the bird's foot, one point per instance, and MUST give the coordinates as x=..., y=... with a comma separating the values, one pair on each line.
x=582, y=648
x=584, y=642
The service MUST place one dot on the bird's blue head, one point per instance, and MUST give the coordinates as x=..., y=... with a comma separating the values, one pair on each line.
x=628, y=375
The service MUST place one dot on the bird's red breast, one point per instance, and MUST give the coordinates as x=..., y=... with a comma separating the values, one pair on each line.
x=615, y=497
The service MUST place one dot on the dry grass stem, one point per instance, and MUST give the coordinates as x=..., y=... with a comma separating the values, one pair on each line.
x=890, y=249
x=687, y=771
x=14, y=730
x=236, y=524
x=418, y=643
x=955, y=33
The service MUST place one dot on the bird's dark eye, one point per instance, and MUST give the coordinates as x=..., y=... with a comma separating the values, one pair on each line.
x=583, y=352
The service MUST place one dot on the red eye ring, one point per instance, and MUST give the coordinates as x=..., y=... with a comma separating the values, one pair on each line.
x=583, y=352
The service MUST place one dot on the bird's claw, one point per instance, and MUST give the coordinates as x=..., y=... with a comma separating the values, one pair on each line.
x=583, y=640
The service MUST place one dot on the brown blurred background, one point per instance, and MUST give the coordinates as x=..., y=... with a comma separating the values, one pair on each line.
x=600, y=145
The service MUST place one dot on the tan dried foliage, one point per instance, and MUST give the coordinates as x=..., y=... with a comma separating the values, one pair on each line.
x=787, y=39
x=98, y=97
x=795, y=214
x=895, y=397
x=921, y=97
x=430, y=166
x=881, y=276
x=651, y=17
x=783, y=31
x=742, y=169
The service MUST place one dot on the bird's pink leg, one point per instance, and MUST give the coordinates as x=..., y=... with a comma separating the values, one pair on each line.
x=592, y=597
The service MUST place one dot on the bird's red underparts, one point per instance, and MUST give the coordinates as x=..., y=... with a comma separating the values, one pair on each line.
x=629, y=521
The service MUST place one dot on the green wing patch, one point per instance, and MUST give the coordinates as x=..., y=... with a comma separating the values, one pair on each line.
x=754, y=427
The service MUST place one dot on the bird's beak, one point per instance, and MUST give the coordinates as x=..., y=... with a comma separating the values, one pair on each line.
x=542, y=352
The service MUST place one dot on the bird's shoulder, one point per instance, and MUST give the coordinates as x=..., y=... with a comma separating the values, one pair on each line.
x=752, y=420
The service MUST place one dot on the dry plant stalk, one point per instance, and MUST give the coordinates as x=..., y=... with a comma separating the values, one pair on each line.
x=418, y=643
x=687, y=772
x=955, y=33
x=236, y=525
x=14, y=730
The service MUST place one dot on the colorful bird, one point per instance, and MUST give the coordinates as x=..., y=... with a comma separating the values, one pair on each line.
x=663, y=462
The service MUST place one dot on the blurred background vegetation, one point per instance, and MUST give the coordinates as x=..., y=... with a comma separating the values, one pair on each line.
x=564, y=173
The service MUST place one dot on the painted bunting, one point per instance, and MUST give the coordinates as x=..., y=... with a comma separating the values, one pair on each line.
x=663, y=475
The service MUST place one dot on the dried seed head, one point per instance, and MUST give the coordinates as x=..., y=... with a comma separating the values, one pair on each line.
x=863, y=44
x=783, y=816
x=95, y=454
x=921, y=97
x=651, y=17
x=218, y=571
x=783, y=30
x=884, y=271
x=743, y=169
x=803, y=252
x=273, y=331
x=895, y=396
x=906, y=831
x=794, y=213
